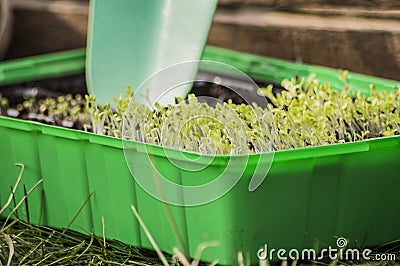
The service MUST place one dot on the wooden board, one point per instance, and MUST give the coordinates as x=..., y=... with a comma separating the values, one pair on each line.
x=359, y=35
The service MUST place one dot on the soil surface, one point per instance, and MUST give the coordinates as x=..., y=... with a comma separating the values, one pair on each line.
x=239, y=91
x=25, y=100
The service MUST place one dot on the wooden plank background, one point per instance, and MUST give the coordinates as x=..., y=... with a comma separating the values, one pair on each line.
x=359, y=35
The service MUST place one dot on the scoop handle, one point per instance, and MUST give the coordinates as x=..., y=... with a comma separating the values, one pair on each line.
x=134, y=39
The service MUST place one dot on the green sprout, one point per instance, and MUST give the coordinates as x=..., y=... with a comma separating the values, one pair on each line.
x=307, y=113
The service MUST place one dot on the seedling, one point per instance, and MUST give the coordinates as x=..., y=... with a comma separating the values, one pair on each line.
x=307, y=113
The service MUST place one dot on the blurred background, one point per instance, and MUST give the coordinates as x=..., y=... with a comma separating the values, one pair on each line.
x=359, y=35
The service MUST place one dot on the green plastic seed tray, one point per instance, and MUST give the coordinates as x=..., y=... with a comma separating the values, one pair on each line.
x=310, y=196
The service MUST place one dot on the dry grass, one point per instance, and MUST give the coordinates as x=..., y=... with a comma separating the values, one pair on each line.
x=24, y=244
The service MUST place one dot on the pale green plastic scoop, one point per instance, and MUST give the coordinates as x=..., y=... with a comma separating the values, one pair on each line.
x=130, y=40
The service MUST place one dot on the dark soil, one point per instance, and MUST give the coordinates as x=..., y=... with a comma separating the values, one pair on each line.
x=239, y=92
x=52, y=87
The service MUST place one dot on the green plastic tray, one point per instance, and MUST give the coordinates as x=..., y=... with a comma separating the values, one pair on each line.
x=344, y=190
